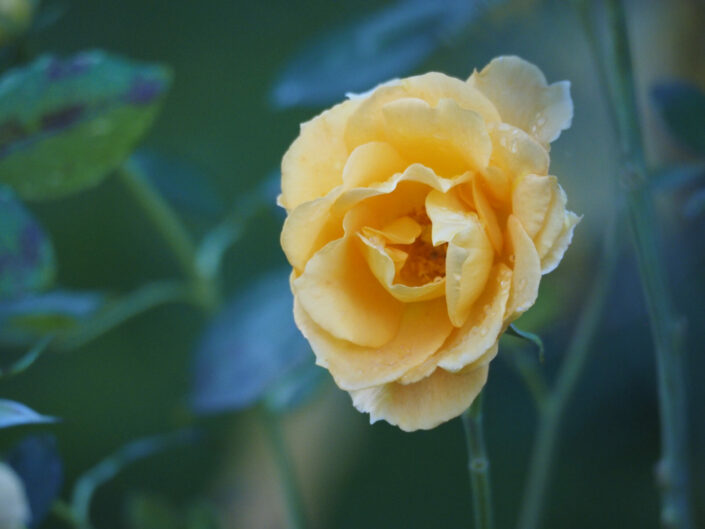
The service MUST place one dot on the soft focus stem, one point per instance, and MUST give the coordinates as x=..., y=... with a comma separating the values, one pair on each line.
x=287, y=479
x=552, y=412
x=478, y=465
x=173, y=232
x=666, y=325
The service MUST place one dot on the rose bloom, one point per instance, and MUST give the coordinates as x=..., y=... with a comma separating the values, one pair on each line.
x=421, y=217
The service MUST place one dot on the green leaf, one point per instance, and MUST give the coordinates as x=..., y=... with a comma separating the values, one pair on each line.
x=28, y=318
x=676, y=177
x=682, y=106
x=535, y=339
x=385, y=44
x=26, y=254
x=65, y=124
x=249, y=348
x=14, y=414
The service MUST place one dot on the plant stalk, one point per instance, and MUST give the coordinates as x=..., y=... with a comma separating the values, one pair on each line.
x=478, y=464
x=552, y=412
x=287, y=479
x=667, y=326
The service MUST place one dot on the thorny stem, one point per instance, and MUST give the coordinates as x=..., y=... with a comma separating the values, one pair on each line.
x=478, y=465
x=667, y=326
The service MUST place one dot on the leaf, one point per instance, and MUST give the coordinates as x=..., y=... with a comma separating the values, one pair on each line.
x=26, y=254
x=65, y=124
x=535, y=339
x=15, y=414
x=386, y=44
x=248, y=348
x=682, y=106
x=31, y=317
x=37, y=462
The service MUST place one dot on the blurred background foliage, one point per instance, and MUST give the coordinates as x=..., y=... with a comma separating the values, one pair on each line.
x=245, y=74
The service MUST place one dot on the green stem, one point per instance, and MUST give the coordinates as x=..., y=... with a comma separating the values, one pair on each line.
x=551, y=414
x=478, y=464
x=287, y=480
x=666, y=325
x=137, y=302
x=169, y=226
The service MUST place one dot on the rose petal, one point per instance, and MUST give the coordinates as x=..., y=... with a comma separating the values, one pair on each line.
x=517, y=152
x=487, y=216
x=448, y=216
x=403, y=230
x=424, y=404
x=555, y=254
x=314, y=163
x=367, y=123
x=342, y=296
x=384, y=269
x=553, y=224
x=519, y=91
x=482, y=329
x=468, y=264
x=446, y=137
x=527, y=270
x=423, y=329
x=308, y=228
x=372, y=163
x=531, y=201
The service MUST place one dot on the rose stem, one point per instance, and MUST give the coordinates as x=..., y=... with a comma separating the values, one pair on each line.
x=553, y=410
x=172, y=230
x=478, y=464
x=667, y=325
x=205, y=294
x=294, y=505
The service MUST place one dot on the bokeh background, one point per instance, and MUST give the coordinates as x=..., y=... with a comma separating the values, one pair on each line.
x=232, y=111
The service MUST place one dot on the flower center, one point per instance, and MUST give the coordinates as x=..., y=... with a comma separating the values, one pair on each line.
x=425, y=263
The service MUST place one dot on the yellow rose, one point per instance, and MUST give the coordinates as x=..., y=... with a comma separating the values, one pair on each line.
x=421, y=217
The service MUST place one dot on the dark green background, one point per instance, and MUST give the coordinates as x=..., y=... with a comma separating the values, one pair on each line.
x=136, y=380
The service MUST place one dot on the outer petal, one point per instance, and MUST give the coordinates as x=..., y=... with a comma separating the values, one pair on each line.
x=313, y=165
x=424, y=404
x=446, y=137
x=527, y=270
x=423, y=329
x=342, y=296
x=519, y=91
x=531, y=201
x=481, y=331
x=367, y=123
x=308, y=228
x=553, y=225
x=516, y=152
x=550, y=261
